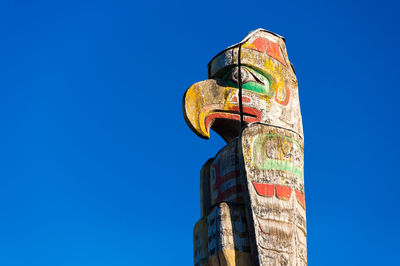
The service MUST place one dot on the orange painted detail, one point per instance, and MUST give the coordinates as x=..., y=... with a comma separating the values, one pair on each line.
x=260, y=45
x=300, y=198
x=275, y=52
x=262, y=229
x=250, y=115
x=244, y=99
x=283, y=192
x=264, y=189
x=287, y=97
x=214, y=116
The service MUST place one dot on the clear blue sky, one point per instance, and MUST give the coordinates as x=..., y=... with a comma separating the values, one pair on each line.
x=97, y=166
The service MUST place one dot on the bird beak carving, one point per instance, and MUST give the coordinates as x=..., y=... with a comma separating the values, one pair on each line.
x=207, y=104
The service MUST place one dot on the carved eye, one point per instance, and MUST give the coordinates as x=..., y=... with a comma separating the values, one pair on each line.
x=252, y=80
x=245, y=75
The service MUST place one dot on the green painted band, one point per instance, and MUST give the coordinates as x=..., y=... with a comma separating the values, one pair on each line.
x=272, y=164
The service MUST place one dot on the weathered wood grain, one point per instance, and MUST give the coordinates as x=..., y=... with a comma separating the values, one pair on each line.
x=273, y=162
x=252, y=191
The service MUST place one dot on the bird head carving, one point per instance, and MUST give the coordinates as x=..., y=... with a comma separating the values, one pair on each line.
x=269, y=89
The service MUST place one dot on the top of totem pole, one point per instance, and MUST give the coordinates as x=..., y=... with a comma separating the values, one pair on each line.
x=253, y=33
x=269, y=89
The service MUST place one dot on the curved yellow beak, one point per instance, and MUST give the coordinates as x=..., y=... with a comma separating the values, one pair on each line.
x=202, y=100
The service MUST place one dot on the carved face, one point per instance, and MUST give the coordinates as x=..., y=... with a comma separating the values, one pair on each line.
x=269, y=89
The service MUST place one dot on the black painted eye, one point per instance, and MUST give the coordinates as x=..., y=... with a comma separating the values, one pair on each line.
x=245, y=75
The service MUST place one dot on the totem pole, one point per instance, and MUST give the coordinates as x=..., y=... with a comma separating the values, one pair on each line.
x=252, y=191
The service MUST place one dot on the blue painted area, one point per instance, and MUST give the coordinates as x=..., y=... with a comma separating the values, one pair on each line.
x=99, y=168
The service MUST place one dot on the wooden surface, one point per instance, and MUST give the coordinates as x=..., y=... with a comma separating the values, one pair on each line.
x=273, y=162
x=252, y=191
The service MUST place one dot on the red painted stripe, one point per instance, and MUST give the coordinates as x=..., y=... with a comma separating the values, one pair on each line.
x=275, y=52
x=250, y=119
x=260, y=44
x=301, y=198
x=246, y=110
x=283, y=192
x=219, y=180
x=259, y=224
x=230, y=191
x=264, y=189
x=244, y=99
x=287, y=97
x=213, y=116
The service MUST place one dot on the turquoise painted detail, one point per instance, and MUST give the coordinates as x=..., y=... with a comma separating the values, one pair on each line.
x=275, y=164
x=272, y=164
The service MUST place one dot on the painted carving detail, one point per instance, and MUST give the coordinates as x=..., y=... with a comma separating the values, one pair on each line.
x=252, y=191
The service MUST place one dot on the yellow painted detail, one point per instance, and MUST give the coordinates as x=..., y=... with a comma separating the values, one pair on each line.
x=194, y=102
x=204, y=98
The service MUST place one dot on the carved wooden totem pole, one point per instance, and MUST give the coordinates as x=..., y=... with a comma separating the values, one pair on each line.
x=252, y=191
